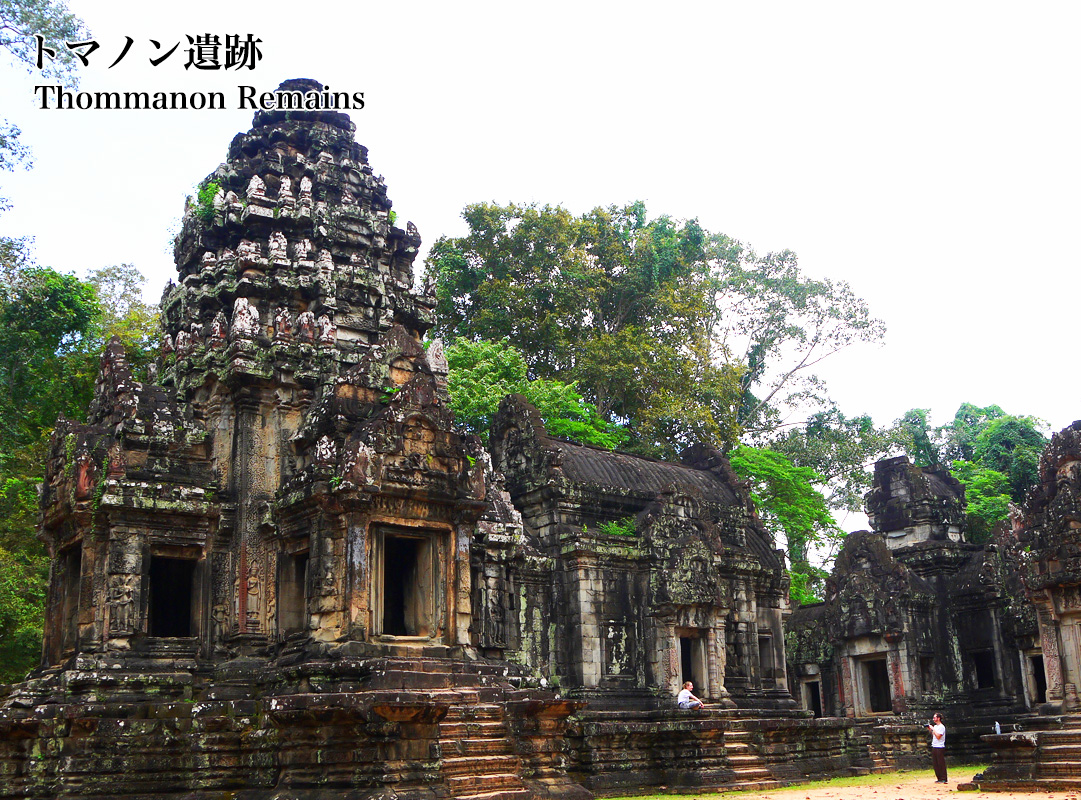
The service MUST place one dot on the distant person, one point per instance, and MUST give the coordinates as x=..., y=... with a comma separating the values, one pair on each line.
x=938, y=748
x=687, y=700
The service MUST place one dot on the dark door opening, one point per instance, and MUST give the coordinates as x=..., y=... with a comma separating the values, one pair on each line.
x=170, y=587
x=878, y=685
x=1039, y=679
x=401, y=557
x=293, y=593
x=814, y=698
x=983, y=662
x=686, y=660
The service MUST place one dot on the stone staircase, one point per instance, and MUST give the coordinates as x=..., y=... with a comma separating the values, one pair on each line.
x=478, y=760
x=749, y=768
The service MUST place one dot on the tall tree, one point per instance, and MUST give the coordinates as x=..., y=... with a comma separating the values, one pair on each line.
x=614, y=302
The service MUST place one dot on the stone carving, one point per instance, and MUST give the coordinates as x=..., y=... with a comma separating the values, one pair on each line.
x=306, y=326
x=183, y=344
x=285, y=191
x=328, y=331
x=325, y=451
x=219, y=327
x=305, y=189
x=278, y=247
x=245, y=320
x=121, y=604
x=256, y=188
x=283, y=325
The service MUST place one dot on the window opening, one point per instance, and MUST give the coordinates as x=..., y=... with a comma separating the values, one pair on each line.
x=170, y=602
x=927, y=673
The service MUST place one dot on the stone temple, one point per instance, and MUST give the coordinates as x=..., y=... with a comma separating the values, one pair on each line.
x=279, y=572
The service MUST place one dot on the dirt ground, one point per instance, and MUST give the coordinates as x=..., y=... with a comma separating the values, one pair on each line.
x=902, y=787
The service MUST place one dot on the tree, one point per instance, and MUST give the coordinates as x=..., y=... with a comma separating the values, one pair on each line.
x=1012, y=446
x=614, y=302
x=791, y=508
x=21, y=19
x=919, y=440
x=987, y=498
x=677, y=334
x=842, y=450
x=778, y=325
x=483, y=373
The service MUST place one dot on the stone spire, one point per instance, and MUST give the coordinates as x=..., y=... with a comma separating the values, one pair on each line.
x=288, y=258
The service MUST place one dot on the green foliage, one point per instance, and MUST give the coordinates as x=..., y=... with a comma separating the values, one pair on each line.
x=804, y=581
x=790, y=506
x=22, y=598
x=1012, y=445
x=619, y=527
x=994, y=454
x=987, y=498
x=483, y=373
x=617, y=304
x=21, y=19
x=842, y=450
x=204, y=202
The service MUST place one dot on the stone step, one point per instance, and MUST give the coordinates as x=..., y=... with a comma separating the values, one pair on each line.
x=472, y=730
x=460, y=785
x=480, y=765
x=475, y=711
x=502, y=794
x=474, y=747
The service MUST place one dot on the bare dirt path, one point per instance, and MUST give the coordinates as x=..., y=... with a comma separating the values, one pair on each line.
x=899, y=786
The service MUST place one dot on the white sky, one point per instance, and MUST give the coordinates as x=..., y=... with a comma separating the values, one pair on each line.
x=927, y=153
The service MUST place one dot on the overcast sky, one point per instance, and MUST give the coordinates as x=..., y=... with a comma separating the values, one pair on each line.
x=927, y=153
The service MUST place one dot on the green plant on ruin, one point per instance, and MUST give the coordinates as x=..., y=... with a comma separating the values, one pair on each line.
x=204, y=203
x=618, y=527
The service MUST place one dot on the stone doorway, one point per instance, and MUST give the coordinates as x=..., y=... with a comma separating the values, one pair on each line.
x=405, y=585
x=875, y=685
x=169, y=605
x=693, y=662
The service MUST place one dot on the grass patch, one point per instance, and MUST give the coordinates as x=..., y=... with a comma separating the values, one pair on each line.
x=961, y=773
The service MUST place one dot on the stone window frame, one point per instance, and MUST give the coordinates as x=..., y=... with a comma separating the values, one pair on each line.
x=182, y=552
x=863, y=690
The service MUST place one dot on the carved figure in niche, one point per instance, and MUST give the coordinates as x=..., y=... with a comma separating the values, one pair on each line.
x=245, y=319
x=196, y=335
x=166, y=345
x=218, y=616
x=248, y=252
x=363, y=469
x=302, y=249
x=328, y=331
x=325, y=451
x=283, y=325
x=347, y=198
x=326, y=569
x=84, y=476
x=209, y=259
x=232, y=198
x=183, y=344
x=256, y=188
x=278, y=247
x=306, y=326
x=121, y=603
x=325, y=265
x=285, y=190
x=252, y=589
x=116, y=461
x=497, y=629
x=227, y=256
x=218, y=327
x=305, y=189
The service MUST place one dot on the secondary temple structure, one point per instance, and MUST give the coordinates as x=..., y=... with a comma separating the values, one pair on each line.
x=278, y=571
x=917, y=620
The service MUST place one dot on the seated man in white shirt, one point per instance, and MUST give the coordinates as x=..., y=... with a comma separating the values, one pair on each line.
x=687, y=700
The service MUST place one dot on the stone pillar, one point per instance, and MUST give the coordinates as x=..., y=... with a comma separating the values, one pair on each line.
x=1052, y=663
x=848, y=688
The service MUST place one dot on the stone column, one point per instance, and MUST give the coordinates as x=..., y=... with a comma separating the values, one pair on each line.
x=1052, y=663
